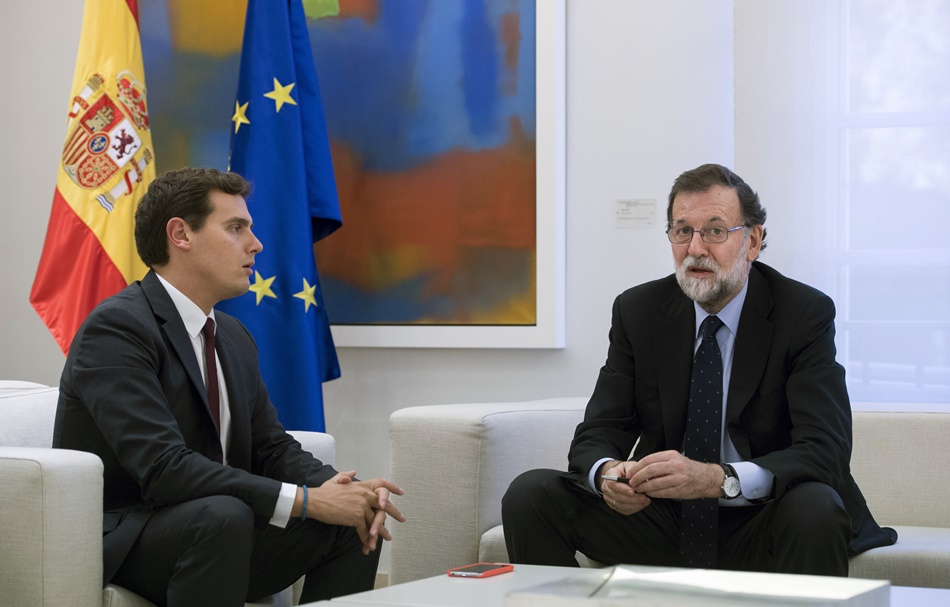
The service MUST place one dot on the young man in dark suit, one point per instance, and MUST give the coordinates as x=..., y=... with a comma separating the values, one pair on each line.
x=208, y=501
x=739, y=425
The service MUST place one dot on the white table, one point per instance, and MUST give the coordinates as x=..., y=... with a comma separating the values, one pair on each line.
x=445, y=591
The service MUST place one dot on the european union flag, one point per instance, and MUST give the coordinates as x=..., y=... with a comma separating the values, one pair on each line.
x=280, y=144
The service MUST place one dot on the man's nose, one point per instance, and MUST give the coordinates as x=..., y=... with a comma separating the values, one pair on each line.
x=697, y=246
x=257, y=246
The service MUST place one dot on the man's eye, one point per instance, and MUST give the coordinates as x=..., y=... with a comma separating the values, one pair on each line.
x=684, y=231
x=715, y=231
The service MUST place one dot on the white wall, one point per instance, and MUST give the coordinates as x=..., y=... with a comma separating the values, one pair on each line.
x=38, y=43
x=650, y=94
x=782, y=79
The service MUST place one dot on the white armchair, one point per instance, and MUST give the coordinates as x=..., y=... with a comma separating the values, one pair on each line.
x=455, y=463
x=51, y=510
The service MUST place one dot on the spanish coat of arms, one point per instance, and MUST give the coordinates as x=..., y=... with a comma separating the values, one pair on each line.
x=105, y=138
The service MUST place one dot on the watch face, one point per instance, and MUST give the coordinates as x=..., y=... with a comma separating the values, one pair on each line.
x=731, y=487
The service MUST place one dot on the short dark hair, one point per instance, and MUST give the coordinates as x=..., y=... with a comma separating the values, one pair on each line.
x=706, y=176
x=184, y=193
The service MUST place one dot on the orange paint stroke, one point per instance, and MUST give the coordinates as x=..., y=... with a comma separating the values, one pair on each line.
x=367, y=10
x=400, y=225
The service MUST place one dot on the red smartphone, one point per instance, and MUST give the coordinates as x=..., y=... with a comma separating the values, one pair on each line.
x=481, y=570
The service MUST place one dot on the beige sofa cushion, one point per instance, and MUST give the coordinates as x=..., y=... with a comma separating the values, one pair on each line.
x=921, y=557
x=900, y=461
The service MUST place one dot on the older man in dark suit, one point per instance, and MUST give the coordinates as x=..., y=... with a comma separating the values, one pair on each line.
x=721, y=380
x=208, y=501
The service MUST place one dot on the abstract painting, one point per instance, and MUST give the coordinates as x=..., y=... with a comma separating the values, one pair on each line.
x=446, y=126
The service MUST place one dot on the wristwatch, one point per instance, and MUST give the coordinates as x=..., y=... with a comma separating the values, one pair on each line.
x=730, y=485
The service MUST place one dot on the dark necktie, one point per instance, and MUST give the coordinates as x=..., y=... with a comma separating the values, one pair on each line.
x=699, y=520
x=214, y=401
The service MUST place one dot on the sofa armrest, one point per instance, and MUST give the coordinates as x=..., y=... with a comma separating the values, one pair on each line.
x=455, y=463
x=51, y=525
x=319, y=444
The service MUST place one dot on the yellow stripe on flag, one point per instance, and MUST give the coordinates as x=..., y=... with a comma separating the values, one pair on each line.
x=109, y=80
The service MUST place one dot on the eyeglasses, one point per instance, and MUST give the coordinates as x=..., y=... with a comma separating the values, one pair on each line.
x=712, y=235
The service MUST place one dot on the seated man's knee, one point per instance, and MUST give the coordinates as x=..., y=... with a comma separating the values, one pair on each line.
x=816, y=508
x=811, y=531
x=527, y=490
x=226, y=521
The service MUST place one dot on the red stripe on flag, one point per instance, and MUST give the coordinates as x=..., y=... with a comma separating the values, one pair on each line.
x=74, y=274
x=134, y=9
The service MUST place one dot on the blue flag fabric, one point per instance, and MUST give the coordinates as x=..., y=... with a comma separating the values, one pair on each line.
x=279, y=142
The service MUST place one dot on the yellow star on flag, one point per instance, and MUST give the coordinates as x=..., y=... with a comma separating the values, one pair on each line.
x=261, y=287
x=239, y=118
x=281, y=94
x=307, y=295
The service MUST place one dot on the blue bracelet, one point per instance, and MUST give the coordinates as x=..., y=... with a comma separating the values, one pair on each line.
x=303, y=512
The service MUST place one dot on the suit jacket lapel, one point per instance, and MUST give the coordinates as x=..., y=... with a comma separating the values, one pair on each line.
x=173, y=327
x=753, y=341
x=674, y=336
x=239, y=448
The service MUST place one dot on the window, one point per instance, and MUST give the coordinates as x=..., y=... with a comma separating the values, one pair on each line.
x=890, y=139
x=843, y=126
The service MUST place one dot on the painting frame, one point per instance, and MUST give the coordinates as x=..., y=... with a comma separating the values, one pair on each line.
x=549, y=329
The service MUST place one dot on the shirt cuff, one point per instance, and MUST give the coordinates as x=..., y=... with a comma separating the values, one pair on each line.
x=285, y=503
x=756, y=482
x=591, y=482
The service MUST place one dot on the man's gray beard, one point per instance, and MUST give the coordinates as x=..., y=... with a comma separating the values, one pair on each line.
x=712, y=291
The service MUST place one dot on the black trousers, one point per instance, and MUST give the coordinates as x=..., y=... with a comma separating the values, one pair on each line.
x=209, y=552
x=547, y=518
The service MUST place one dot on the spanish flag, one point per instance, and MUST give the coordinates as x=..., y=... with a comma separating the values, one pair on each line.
x=106, y=166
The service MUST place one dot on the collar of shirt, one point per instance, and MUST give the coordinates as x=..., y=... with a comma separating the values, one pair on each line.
x=729, y=315
x=193, y=317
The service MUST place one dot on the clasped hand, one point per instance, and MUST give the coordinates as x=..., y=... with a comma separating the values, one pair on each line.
x=666, y=475
x=359, y=504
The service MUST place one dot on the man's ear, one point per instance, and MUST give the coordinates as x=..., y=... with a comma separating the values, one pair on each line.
x=178, y=233
x=755, y=243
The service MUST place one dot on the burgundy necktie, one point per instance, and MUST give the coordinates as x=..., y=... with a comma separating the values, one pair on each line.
x=699, y=518
x=214, y=401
